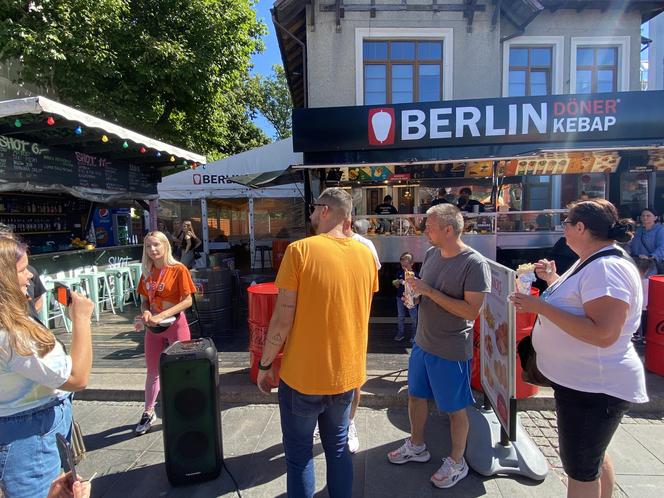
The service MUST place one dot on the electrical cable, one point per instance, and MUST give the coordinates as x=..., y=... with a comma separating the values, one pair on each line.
x=237, y=488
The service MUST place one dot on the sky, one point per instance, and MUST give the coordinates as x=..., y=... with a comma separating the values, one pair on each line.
x=263, y=62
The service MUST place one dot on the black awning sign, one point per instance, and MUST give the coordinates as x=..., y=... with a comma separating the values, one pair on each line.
x=22, y=161
x=559, y=118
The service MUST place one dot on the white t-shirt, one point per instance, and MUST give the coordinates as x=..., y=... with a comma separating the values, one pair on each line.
x=565, y=360
x=27, y=382
x=370, y=245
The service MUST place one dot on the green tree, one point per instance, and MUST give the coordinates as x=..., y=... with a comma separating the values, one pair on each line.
x=273, y=101
x=172, y=69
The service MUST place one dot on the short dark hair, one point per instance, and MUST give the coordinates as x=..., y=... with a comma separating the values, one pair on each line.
x=601, y=219
x=466, y=190
x=387, y=198
x=651, y=209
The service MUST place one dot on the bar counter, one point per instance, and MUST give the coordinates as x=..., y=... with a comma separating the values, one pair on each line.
x=53, y=262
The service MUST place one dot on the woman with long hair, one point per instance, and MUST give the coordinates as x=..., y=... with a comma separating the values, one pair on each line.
x=166, y=288
x=582, y=336
x=36, y=378
x=190, y=244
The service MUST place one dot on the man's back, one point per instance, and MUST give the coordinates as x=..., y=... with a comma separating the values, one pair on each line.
x=335, y=279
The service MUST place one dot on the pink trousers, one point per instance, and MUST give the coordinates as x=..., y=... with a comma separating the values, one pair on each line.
x=154, y=345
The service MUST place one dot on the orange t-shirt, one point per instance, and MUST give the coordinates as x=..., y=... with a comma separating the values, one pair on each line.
x=326, y=349
x=171, y=283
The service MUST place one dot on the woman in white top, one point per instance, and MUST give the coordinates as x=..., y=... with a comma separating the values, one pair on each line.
x=36, y=378
x=583, y=342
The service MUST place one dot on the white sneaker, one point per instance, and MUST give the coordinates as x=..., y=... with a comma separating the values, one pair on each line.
x=353, y=440
x=407, y=452
x=316, y=432
x=145, y=424
x=449, y=473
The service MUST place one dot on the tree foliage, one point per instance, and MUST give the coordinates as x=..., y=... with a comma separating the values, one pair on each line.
x=273, y=101
x=176, y=70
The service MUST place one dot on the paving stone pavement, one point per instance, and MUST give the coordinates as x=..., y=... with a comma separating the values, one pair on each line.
x=542, y=428
x=129, y=466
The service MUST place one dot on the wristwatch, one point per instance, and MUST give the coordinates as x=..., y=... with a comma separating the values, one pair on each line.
x=264, y=367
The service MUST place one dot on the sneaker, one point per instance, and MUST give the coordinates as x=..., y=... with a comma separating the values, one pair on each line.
x=409, y=453
x=399, y=338
x=316, y=433
x=145, y=424
x=353, y=440
x=449, y=473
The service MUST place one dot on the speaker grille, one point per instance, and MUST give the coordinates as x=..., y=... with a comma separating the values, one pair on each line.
x=192, y=444
x=190, y=402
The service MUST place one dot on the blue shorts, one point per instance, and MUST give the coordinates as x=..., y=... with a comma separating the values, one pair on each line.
x=447, y=382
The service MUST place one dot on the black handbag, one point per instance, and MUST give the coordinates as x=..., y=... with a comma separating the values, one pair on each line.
x=527, y=354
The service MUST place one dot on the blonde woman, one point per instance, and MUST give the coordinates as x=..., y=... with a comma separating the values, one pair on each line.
x=165, y=288
x=36, y=377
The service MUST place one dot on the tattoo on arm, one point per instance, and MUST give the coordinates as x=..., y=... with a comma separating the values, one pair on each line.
x=291, y=306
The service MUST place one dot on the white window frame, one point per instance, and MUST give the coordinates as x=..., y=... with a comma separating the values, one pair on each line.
x=622, y=42
x=557, y=43
x=439, y=34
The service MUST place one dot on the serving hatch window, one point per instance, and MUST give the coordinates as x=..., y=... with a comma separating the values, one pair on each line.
x=402, y=71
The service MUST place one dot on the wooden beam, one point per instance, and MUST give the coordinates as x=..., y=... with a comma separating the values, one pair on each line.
x=469, y=14
x=496, y=12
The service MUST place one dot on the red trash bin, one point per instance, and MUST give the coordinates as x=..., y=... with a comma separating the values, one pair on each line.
x=655, y=332
x=262, y=298
x=278, y=250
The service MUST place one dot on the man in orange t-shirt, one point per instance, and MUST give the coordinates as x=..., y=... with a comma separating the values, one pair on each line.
x=326, y=284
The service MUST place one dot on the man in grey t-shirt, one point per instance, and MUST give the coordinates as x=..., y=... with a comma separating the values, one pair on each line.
x=453, y=281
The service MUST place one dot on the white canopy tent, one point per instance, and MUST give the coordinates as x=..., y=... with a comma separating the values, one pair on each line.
x=215, y=181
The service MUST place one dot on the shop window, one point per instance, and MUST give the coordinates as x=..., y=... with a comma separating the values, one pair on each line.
x=402, y=71
x=633, y=193
x=281, y=218
x=530, y=70
x=228, y=220
x=596, y=69
x=169, y=211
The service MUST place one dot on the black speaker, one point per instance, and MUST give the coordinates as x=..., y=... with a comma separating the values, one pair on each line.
x=191, y=412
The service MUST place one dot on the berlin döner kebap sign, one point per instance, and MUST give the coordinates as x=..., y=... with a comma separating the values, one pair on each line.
x=558, y=118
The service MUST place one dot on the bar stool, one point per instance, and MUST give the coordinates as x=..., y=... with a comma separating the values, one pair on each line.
x=123, y=286
x=98, y=288
x=263, y=250
x=136, y=273
x=51, y=308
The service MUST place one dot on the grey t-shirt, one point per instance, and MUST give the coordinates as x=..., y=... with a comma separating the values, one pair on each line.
x=440, y=332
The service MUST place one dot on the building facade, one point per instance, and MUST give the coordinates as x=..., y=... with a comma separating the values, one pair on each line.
x=380, y=52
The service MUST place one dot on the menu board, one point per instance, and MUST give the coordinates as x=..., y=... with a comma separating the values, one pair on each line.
x=370, y=173
x=561, y=164
x=23, y=161
x=655, y=160
x=498, y=344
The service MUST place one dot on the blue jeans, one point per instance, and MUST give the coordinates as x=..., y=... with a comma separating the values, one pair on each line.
x=29, y=457
x=299, y=414
x=402, y=311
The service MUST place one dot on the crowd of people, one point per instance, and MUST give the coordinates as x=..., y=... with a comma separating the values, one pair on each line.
x=585, y=322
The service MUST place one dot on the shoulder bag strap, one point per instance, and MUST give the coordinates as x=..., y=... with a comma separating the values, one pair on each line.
x=590, y=259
